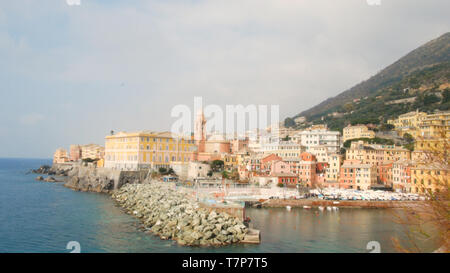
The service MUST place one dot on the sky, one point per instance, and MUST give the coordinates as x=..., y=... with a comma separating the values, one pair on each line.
x=72, y=73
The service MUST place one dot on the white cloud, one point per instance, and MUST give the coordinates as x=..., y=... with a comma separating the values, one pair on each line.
x=294, y=53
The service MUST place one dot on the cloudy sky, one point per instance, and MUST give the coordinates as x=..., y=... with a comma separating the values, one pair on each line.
x=70, y=74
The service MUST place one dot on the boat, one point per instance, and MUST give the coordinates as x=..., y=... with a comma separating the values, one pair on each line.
x=321, y=208
x=335, y=208
x=306, y=207
x=288, y=208
x=329, y=208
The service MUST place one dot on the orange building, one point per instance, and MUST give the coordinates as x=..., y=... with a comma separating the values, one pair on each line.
x=356, y=175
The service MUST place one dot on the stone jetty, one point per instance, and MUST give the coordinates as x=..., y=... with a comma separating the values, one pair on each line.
x=172, y=214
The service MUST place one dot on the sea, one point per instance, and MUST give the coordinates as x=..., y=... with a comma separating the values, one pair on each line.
x=41, y=217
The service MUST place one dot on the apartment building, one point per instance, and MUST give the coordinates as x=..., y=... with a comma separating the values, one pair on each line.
x=144, y=150
x=401, y=175
x=357, y=175
x=432, y=177
x=60, y=156
x=358, y=131
x=376, y=154
x=321, y=136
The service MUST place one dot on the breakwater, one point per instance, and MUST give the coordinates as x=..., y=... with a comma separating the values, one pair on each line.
x=172, y=214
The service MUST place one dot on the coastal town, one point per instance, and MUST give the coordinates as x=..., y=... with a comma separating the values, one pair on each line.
x=284, y=161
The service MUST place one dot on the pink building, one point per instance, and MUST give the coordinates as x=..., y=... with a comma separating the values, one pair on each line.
x=280, y=167
x=75, y=153
x=307, y=169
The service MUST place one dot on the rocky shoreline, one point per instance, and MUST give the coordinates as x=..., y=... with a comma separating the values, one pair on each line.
x=162, y=210
x=171, y=214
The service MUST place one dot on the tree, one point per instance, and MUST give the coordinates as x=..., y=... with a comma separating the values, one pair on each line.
x=289, y=122
x=162, y=171
x=88, y=160
x=429, y=219
x=408, y=138
x=386, y=127
x=430, y=99
x=348, y=107
x=446, y=96
x=217, y=165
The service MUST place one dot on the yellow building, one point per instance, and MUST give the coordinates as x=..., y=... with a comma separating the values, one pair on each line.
x=146, y=150
x=231, y=162
x=60, y=156
x=376, y=154
x=435, y=126
x=432, y=177
x=408, y=123
x=411, y=119
x=333, y=168
x=92, y=151
x=358, y=131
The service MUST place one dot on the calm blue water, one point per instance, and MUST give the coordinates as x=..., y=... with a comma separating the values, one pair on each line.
x=44, y=217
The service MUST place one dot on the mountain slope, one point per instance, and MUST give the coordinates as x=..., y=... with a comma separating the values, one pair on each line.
x=432, y=53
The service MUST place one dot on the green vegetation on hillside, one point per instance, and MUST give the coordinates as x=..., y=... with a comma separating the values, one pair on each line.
x=375, y=140
x=382, y=105
x=419, y=74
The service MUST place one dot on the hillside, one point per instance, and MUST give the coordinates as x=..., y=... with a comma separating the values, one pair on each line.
x=423, y=68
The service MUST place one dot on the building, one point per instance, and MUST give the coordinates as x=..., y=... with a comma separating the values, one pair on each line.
x=230, y=161
x=376, y=154
x=320, y=152
x=432, y=177
x=385, y=174
x=307, y=170
x=280, y=167
x=333, y=168
x=287, y=179
x=408, y=123
x=401, y=175
x=321, y=136
x=75, y=153
x=357, y=175
x=282, y=149
x=239, y=145
x=358, y=131
x=213, y=147
x=266, y=163
x=60, y=156
x=92, y=151
x=197, y=170
x=435, y=125
x=146, y=150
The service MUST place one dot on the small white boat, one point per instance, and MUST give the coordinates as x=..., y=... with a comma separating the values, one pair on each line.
x=321, y=208
x=335, y=208
x=329, y=208
x=306, y=207
x=336, y=202
x=288, y=208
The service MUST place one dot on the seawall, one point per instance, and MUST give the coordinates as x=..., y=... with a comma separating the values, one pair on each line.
x=93, y=179
x=276, y=203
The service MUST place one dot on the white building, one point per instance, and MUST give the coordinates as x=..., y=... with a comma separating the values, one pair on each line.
x=282, y=149
x=312, y=138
